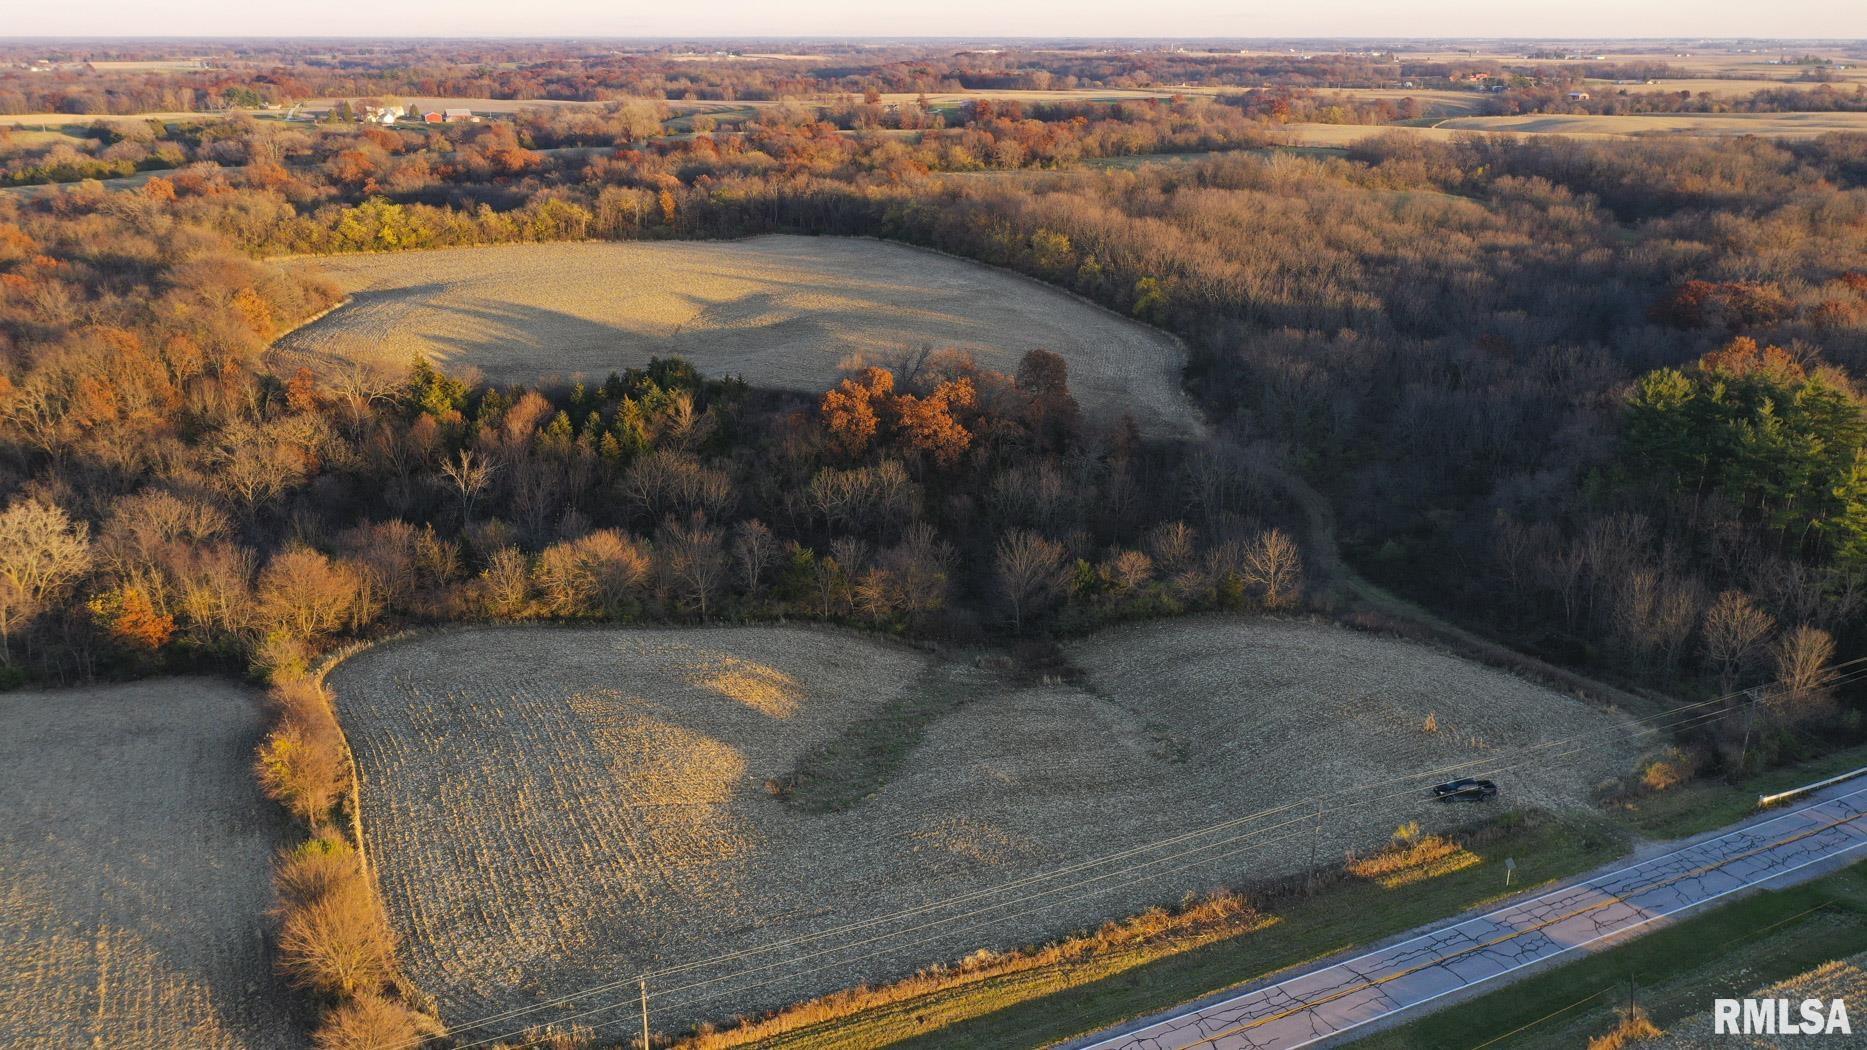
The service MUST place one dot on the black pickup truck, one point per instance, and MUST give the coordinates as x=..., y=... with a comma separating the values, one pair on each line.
x=1466, y=790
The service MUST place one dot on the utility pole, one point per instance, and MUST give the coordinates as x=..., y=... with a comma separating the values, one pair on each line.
x=1750, y=709
x=1315, y=837
x=643, y=980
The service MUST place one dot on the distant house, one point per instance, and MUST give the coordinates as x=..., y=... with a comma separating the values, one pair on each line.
x=433, y=116
x=1578, y=96
x=382, y=114
x=458, y=116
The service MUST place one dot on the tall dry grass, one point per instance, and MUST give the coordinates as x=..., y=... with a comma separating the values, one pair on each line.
x=1635, y=1027
x=1412, y=857
x=1156, y=932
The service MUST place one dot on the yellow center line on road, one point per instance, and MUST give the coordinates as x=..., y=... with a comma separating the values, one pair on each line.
x=1613, y=898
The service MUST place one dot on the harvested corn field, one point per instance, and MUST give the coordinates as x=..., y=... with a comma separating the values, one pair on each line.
x=780, y=311
x=552, y=809
x=1844, y=979
x=1590, y=126
x=1774, y=125
x=134, y=864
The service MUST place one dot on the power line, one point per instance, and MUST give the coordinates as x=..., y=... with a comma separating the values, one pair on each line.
x=1613, y=897
x=1698, y=719
x=946, y=903
x=1488, y=764
x=1540, y=1020
x=1633, y=726
x=946, y=931
x=1729, y=943
x=1495, y=761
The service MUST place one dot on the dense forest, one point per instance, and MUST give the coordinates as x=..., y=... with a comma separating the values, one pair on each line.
x=1507, y=361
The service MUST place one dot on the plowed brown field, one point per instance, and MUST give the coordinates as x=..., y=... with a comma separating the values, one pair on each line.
x=783, y=312
x=555, y=809
x=134, y=864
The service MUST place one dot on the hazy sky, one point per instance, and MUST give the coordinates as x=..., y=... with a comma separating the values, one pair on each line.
x=971, y=18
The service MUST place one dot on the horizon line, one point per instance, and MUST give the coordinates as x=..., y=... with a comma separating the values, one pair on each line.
x=832, y=38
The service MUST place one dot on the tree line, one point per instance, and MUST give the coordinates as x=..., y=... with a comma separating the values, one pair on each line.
x=1444, y=335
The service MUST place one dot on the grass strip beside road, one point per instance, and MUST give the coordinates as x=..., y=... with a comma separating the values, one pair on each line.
x=1675, y=972
x=1039, y=1004
x=1075, y=994
x=1702, y=805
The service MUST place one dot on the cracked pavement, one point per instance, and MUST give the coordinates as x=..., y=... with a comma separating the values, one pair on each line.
x=1313, y=1006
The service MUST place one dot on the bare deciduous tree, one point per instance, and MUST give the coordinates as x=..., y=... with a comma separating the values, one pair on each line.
x=359, y=386
x=1274, y=565
x=469, y=472
x=370, y=1022
x=694, y=561
x=1803, y=671
x=302, y=769
x=1518, y=548
x=1030, y=572
x=307, y=595
x=1172, y=546
x=1127, y=571
x=505, y=583
x=867, y=499
x=754, y=550
x=910, y=577
x=591, y=575
x=1735, y=631
x=666, y=482
x=1652, y=613
x=42, y=554
x=256, y=462
x=341, y=943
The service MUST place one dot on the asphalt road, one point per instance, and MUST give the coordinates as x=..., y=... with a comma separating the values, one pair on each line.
x=1333, y=998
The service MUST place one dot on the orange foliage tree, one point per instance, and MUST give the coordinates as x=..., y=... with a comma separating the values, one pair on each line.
x=928, y=424
x=132, y=618
x=853, y=410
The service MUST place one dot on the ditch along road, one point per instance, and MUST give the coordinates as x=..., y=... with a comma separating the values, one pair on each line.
x=1822, y=832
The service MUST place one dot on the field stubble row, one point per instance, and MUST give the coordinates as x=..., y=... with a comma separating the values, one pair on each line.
x=781, y=311
x=554, y=809
x=133, y=870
